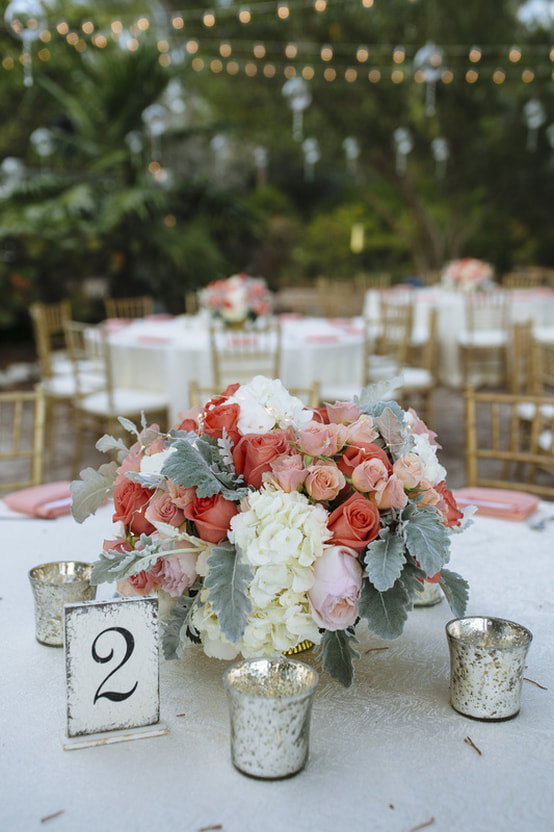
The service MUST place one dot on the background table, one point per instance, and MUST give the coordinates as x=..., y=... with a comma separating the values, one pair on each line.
x=386, y=754
x=536, y=305
x=164, y=355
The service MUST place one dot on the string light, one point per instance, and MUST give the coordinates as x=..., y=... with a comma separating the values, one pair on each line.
x=362, y=54
x=499, y=76
x=527, y=76
x=291, y=51
x=100, y=41
x=351, y=75
x=259, y=50
x=320, y=5
x=45, y=36
x=250, y=69
x=192, y=47
x=225, y=50
x=308, y=73
x=397, y=76
x=88, y=27
x=245, y=16
x=216, y=65
x=208, y=19
x=399, y=55
x=475, y=54
x=197, y=64
x=289, y=72
x=472, y=76
x=283, y=11
x=163, y=46
x=232, y=67
x=330, y=74
x=367, y=4
x=326, y=53
x=177, y=23
x=144, y=24
x=515, y=54
x=62, y=28
x=269, y=70
x=116, y=27
x=43, y=55
x=374, y=76
x=447, y=76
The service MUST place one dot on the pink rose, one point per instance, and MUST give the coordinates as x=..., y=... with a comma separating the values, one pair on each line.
x=188, y=419
x=342, y=412
x=355, y=454
x=130, y=463
x=162, y=509
x=370, y=475
x=180, y=495
x=428, y=495
x=361, y=432
x=324, y=480
x=409, y=469
x=211, y=516
x=354, y=523
x=175, y=573
x=337, y=585
x=140, y=584
x=321, y=440
x=419, y=426
x=287, y=472
x=391, y=494
x=254, y=453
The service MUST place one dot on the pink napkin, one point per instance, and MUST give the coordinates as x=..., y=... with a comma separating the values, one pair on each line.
x=160, y=316
x=46, y=501
x=152, y=339
x=321, y=339
x=498, y=502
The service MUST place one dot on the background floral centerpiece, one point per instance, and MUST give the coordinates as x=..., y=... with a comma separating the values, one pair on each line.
x=261, y=524
x=467, y=274
x=237, y=298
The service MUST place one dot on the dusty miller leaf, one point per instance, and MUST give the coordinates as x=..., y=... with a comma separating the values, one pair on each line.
x=176, y=626
x=386, y=612
x=89, y=492
x=427, y=538
x=384, y=559
x=227, y=581
x=128, y=425
x=152, y=481
x=117, y=566
x=456, y=590
x=410, y=582
x=196, y=464
x=106, y=444
x=338, y=654
x=390, y=426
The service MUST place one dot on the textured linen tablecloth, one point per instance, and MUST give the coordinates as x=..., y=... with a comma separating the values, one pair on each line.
x=386, y=754
x=165, y=355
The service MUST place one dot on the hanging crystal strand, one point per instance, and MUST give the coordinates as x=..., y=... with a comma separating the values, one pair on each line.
x=535, y=117
x=404, y=146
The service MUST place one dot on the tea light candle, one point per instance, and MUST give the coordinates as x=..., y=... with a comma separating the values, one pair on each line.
x=487, y=657
x=270, y=703
x=55, y=584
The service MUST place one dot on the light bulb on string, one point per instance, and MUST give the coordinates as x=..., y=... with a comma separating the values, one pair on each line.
x=441, y=152
x=535, y=116
x=299, y=97
x=310, y=149
x=404, y=145
x=429, y=60
x=25, y=20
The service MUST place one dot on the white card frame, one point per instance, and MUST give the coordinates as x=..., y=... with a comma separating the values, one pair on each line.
x=112, y=670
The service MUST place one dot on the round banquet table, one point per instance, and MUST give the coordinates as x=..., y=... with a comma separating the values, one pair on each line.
x=536, y=305
x=389, y=753
x=164, y=354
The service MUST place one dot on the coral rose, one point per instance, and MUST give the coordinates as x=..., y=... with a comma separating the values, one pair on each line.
x=254, y=453
x=448, y=506
x=324, y=480
x=354, y=523
x=211, y=516
x=355, y=454
x=188, y=419
x=140, y=584
x=216, y=418
x=130, y=502
x=334, y=595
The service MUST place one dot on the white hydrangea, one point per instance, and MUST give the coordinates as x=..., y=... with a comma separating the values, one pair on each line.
x=266, y=404
x=153, y=463
x=434, y=472
x=280, y=536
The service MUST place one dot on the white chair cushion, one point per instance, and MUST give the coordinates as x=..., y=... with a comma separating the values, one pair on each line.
x=125, y=402
x=545, y=441
x=526, y=411
x=483, y=338
x=416, y=378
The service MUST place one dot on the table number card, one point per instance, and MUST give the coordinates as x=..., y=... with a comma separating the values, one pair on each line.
x=112, y=671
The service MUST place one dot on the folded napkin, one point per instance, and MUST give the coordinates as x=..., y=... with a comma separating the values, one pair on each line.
x=498, y=502
x=321, y=339
x=46, y=501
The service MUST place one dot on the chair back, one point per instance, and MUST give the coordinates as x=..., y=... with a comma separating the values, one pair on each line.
x=396, y=318
x=48, y=320
x=138, y=307
x=88, y=352
x=22, y=420
x=487, y=311
x=522, y=280
x=339, y=298
x=521, y=359
x=238, y=354
x=544, y=364
x=499, y=453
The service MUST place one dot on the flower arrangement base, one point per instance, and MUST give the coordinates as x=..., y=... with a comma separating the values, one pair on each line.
x=431, y=595
x=301, y=647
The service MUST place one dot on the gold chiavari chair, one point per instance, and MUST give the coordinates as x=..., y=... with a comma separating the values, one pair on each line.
x=419, y=382
x=191, y=303
x=22, y=422
x=522, y=280
x=238, y=354
x=138, y=307
x=339, y=298
x=99, y=406
x=498, y=453
x=483, y=342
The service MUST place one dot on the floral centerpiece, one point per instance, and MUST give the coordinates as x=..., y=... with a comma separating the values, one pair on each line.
x=237, y=298
x=467, y=274
x=261, y=524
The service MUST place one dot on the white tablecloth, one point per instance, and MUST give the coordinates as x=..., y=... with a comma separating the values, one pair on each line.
x=164, y=355
x=386, y=754
x=536, y=305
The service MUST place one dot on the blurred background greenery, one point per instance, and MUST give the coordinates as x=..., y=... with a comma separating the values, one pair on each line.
x=151, y=148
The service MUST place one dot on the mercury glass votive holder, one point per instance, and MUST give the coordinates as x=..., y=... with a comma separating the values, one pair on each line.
x=487, y=658
x=55, y=584
x=270, y=702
